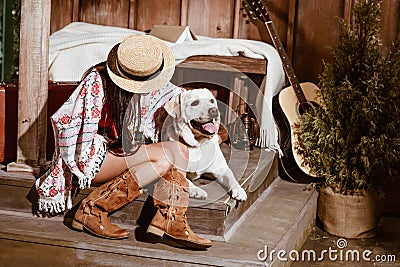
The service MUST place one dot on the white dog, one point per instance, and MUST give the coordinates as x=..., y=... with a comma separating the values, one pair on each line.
x=196, y=120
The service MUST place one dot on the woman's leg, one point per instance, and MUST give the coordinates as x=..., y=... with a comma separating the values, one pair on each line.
x=150, y=162
x=171, y=194
x=120, y=185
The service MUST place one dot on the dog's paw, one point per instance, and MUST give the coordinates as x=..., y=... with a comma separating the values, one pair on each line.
x=238, y=193
x=197, y=192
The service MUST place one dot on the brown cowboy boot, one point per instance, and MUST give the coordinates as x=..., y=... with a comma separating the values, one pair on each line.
x=171, y=197
x=92, y=213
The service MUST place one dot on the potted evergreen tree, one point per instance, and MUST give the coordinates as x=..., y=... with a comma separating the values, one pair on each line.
x=353, y=139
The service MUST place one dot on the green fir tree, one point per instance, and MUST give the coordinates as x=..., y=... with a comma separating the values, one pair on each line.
x=351, y=140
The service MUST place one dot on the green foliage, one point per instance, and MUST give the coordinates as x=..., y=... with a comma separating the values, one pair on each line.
x=16, y=35
x=351, y=140
x=10, y=17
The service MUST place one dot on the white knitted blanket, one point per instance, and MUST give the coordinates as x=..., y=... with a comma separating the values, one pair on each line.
x=79, y=46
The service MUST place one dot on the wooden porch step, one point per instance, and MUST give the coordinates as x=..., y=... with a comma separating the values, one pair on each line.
x=280, y=218
x=217, y=217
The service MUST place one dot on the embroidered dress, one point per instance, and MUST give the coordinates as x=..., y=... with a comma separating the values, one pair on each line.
x=80, y=150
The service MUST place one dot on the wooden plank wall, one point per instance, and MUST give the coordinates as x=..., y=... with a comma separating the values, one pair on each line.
x=306, y=28
x=32, y=83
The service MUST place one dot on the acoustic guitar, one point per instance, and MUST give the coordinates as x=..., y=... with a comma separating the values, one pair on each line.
x=288, y=105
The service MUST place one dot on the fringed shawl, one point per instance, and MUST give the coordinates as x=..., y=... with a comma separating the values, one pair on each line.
x=75, y=126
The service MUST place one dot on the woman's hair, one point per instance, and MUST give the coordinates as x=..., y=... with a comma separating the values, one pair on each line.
x=124, y=107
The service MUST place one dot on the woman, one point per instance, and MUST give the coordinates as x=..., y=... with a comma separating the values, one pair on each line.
x=119, y=160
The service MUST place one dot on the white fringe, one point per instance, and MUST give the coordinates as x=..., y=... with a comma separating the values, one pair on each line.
x=84, y=181
x=69, y=200
x=269, y=141
x=55, y=204
x=52, y=205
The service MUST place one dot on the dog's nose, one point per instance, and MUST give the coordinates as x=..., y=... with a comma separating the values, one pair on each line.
x=213, y=112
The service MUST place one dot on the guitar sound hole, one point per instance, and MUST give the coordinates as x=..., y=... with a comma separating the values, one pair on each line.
x=310, y=105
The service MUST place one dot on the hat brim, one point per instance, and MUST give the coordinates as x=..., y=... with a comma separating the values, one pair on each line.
x=147, y=86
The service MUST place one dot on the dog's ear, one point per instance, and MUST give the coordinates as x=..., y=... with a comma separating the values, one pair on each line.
x=174, y=105
x=223, y=135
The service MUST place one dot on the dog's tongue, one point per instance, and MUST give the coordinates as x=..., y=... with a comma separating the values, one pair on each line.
x=210, y=127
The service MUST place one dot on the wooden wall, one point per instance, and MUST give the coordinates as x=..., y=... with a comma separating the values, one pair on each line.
x=307, y=28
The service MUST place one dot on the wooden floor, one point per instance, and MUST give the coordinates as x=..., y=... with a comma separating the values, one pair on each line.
x=278, y=214
x=280, y=218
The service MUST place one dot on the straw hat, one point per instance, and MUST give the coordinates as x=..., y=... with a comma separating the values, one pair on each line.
x=141, y=64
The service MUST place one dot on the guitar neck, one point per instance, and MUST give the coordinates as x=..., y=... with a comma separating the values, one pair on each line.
x=287, y=66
